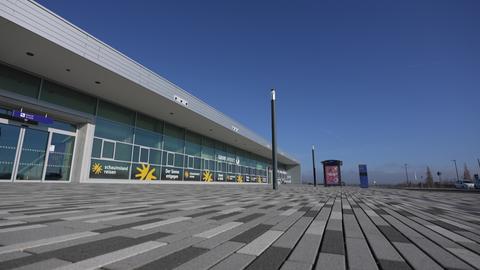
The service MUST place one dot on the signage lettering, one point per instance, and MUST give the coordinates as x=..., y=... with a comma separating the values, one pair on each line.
x=32, y=117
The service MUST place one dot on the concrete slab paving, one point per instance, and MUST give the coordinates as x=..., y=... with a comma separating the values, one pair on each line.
x=115, y=226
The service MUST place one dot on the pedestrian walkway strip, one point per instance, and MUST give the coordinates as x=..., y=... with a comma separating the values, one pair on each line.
x=44, y=242
x=161, y=223
x=218, y=230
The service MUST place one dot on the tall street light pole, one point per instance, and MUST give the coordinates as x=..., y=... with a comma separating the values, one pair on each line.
x=314, y=169
x=274, y=142
x=456, y=169
x=406, y=174
x=478, y=160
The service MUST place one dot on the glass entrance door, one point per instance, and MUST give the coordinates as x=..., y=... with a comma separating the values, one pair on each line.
x=60, y=156
x=32, y=155
x=8, y=150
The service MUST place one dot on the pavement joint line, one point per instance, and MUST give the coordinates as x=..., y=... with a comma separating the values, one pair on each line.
x=92, y=216
x=42, y=215
x=231, y=210
x=261, y=243
x=22, y=228
x=13, y=222
x=44, y=242
x=288, y=212
x=194, y=207
x=161, y=223
x=218, y=230
x=105, y=259
x=115, y=217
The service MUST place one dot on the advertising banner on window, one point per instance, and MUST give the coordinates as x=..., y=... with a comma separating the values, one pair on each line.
x=107, y=169
x=331, y=175
x=231, y=177
x=191, y=175
x=172, y=174
x=247, y=178
x=219, y=176
x=145, y=171
x=207, y=176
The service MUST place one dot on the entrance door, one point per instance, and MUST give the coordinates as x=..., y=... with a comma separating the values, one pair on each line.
x=8, y=150
x=35, y=154
x=59, y=158
x=32, y=155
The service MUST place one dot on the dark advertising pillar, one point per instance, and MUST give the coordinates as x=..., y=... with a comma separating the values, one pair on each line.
x=362, y=169
x=332, y=175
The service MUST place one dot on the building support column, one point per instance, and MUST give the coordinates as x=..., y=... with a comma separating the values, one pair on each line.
x=83, y=153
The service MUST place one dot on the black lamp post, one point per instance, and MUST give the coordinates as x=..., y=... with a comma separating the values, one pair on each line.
x=274, y=143
x=314, y=169
x=406, y=174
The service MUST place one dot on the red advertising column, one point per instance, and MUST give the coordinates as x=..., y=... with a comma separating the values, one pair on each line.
x=332, y=175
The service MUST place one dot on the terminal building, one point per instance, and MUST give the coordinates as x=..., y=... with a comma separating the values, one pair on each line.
x=73, y=109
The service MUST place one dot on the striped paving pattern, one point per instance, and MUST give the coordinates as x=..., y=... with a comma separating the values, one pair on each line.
x=92, y=226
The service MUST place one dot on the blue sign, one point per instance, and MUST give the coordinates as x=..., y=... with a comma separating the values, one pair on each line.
x=32, y=117
x=362, y=169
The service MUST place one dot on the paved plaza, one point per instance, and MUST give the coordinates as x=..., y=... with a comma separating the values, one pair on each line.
x=92, y=226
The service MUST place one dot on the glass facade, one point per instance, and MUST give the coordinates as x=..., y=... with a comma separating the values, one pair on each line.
x=130, y=145
x=144, y=148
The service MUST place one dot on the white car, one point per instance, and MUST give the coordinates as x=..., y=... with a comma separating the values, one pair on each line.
x=464, y=184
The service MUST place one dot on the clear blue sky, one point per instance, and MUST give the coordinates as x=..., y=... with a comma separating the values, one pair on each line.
x=377, y=82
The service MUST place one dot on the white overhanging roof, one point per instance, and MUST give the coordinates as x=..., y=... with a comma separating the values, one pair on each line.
x=58, y=45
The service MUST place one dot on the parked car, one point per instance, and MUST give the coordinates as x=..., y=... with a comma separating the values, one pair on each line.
x=464, y=184
x=477, y=181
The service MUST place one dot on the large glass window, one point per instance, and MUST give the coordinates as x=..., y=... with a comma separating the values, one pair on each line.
x=220, y=152
x=193, y=144
x=179, y=160
x=69, y=98
x=18, y=82
x=113, y=131
x=174, y=139
x=123, y=151
x=155, y=156
x=148, y=131
x=97, y=148
x=115, y=113
x=108, y=149
x=149, y=123
x=148, y=138
x=208, y=148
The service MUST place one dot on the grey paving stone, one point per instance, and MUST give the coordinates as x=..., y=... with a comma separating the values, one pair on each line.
x=293, y=235
x=291, y=265
x=153, y=255
x=249, y=217
x=359, y=255
x=259, y=244
x=331, y=262
x=234, y=261
x=394, y=265
x=307, y=249
x=45, y=265
x=224, y=216
x=104, y=259
x=410, y=228
x=392, y=234
x=415, y=257
x=333, y=242
x=251, y=234
x=212, y=257
x=175, y=259
x=272, y=258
